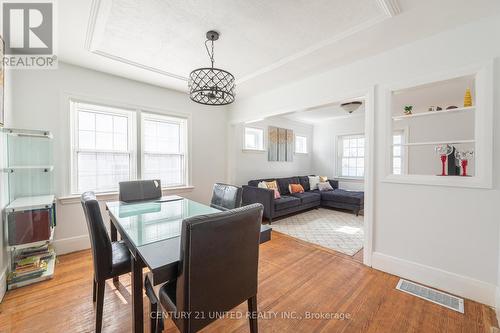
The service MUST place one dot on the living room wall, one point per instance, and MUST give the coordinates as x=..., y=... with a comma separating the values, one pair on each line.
x=246, y=165
x=444, y=237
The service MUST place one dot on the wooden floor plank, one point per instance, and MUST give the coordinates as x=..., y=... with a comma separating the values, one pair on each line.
x=295, y=277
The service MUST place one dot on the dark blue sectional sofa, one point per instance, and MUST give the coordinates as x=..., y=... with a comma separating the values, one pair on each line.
x=292, y=203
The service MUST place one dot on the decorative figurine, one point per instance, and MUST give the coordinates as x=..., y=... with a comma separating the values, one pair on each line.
x=467, y=98
x=443, y=151
x=464, y=157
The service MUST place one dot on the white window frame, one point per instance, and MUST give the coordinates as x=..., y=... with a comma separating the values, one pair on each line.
x=102, y=109
x=404, y=150
x=184, y=121
x=135, y=139
x=260, y=149
x=340, y=153
x=306, y=146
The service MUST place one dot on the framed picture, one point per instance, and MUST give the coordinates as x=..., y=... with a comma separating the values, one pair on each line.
x=2, y=81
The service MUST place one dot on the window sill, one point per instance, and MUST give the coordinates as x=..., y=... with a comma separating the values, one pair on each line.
x=301, y=153
x=254, y=150
x=107, y=196
x=350, y=179
x=447, y=181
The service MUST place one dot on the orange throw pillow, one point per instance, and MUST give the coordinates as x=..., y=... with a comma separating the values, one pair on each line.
x=295, y=188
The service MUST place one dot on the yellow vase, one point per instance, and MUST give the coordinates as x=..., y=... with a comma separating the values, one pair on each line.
x=467, y=98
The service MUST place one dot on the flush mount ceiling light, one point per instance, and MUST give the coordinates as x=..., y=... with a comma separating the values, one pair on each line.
x=351, y=106
x=211, y=86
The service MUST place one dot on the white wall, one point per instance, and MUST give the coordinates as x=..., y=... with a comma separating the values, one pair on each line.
x=4, y=183
x=445, y=237
x=39, y=103
x=247, y=165
x=325, y=147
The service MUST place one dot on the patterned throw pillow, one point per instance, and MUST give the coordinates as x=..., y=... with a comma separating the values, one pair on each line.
x=295, y=188
x=313, y=182
x=325, y=186
x=262, y=185
x=323, y=179
x=274, y=186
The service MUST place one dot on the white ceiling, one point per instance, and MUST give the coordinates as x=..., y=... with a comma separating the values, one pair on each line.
x=323, y=113
x=263, y=43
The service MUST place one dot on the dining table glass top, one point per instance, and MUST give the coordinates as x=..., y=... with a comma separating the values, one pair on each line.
x=152, y=221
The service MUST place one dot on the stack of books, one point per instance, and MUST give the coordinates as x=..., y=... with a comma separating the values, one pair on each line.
x=30, y=264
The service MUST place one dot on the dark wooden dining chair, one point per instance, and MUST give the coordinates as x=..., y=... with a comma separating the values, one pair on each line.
x=140, y=190
x=111, y=259
x=217, y=271
x=226, y=196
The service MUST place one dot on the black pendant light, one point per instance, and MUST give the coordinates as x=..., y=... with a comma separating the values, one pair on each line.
x=211, y=86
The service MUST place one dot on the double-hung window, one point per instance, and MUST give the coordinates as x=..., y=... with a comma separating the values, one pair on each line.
x=351, y=155
x=164, y=149
x=103, y=147
x=109, y=146
x=254, y=138
x=300, y=144
x=398, y=162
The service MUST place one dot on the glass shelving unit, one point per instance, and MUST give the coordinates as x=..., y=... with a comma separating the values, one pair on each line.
x=30, y=216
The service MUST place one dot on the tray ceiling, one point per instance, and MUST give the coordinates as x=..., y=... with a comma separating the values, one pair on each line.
x=168, y=36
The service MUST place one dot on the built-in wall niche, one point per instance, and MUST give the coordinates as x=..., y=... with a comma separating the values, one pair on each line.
x=440, y=130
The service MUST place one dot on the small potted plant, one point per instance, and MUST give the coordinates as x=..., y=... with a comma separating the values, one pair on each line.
x=408, y=109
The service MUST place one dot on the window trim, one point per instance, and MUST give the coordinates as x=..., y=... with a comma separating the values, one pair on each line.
x=136, y=166
x=338, y=165
x=295, y=144
x=132, y=139
x=404, y=149
x=185, y=137
x=263, y=149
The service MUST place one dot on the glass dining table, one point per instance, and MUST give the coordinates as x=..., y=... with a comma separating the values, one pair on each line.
x=151, y=230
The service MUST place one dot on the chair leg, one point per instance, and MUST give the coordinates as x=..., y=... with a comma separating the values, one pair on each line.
x=153, y=308
x=94, y=290
x=252, y=308
x=99, y=306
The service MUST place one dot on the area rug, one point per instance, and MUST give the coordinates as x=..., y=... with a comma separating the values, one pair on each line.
x=339, y=231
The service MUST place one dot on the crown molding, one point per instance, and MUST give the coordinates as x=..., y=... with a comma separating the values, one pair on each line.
x=391, y=8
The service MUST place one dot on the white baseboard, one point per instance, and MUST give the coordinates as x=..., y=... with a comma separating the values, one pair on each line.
x=71, y=244
x=497, y=303
x=460, y=285
x=3, y=282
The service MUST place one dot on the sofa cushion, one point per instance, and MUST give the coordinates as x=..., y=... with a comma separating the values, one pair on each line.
x=304, y=181
x=308, y=197
x=286, y=202
x=284, y=182
x=343, y=196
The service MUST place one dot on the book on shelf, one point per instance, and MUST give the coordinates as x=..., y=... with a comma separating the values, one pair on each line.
x=30, y=263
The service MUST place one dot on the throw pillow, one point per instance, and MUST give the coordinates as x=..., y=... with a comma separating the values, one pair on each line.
x=272, y=185
x=295, y=188
x=313, y=182
x=277, y=194
x=325, y=186
x=323, y=179
x=262, y=185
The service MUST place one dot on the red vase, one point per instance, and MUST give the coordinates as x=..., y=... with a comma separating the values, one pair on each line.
x=443, y=163
x=464, y=167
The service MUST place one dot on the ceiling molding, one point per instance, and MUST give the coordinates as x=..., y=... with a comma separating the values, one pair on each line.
x=89, y=40
x=391, y=8
x=316, y=47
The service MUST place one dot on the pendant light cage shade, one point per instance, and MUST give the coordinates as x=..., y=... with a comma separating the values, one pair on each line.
x=211, y=86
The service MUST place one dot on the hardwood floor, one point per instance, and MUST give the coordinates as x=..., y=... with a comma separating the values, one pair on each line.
x=294, y=278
